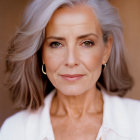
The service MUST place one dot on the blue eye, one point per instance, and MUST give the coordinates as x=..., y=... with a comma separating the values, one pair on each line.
x=55, y=45
x=88, y=44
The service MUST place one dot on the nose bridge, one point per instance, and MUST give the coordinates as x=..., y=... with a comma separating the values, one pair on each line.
x=71, y=56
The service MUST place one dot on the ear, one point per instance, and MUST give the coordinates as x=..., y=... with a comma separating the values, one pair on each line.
x=108, y=48
x=42, y=55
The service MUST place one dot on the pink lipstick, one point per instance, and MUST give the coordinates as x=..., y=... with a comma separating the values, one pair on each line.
x=72, y=77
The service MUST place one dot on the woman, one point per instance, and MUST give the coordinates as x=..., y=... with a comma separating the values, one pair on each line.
x=66, y=62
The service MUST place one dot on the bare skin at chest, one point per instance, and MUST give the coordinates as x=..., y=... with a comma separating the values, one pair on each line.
x=86, y=128
x=75, y=122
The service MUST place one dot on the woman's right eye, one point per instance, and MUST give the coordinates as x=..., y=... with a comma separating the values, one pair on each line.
x=55, y=45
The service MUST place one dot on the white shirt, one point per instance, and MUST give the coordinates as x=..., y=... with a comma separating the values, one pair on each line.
x=121, y=121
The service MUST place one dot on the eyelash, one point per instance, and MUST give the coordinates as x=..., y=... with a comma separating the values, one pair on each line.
x=56, y=44
x=86, y=44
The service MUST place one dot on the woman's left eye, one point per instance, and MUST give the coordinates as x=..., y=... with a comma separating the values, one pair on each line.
x=55, y=44
x=88, y=43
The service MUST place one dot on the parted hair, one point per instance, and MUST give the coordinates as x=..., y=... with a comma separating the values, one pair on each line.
x=28, y=86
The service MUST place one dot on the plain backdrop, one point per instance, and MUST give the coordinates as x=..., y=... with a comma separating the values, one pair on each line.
x=11, y=12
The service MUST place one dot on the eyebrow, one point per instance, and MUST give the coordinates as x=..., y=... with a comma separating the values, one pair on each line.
x=79, y=37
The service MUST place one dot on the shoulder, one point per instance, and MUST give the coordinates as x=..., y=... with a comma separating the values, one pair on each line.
x=124, y=113
x=26, y=123
x=22, y=125
x=14, y=125
x=126, y=105
x=130, y=105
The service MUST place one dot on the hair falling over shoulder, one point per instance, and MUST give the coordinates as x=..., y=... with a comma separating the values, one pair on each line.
x=27, y=84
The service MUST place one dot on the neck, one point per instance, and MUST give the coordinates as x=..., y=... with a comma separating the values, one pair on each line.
x=89, y=102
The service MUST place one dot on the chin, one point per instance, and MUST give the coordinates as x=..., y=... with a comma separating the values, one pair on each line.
x=72, y=91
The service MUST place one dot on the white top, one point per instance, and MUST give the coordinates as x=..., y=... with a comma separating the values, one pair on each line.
x=121, y=121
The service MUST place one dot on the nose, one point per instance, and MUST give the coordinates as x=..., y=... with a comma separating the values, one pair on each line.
x=71, y=59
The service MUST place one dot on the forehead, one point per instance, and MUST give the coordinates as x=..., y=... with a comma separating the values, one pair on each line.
x=80, y=17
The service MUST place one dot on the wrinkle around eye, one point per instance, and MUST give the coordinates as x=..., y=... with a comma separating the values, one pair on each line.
x=88, y=44
x=55, y=44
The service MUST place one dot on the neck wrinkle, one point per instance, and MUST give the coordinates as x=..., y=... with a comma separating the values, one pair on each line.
x=77, y=106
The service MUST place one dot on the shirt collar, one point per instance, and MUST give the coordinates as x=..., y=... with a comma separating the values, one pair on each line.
x=46, y=132
x=114, y=117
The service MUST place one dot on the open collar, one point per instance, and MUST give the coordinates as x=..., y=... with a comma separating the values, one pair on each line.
x=115, y=118
x=46, y=132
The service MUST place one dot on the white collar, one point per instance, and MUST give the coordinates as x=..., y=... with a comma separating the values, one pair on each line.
x=114, y=117
x=46, y=126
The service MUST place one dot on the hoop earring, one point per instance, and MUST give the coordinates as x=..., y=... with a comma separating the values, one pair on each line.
x=103, y=66
x=43, y=69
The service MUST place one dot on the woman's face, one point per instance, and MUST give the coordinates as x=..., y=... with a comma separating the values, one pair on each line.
x=73, y=50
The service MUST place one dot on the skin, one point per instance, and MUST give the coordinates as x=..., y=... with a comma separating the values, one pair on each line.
x=74, y=45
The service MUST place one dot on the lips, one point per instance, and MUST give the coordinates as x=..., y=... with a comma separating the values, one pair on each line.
x=72, y=77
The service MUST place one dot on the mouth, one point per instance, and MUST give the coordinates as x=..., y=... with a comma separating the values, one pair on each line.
x=72, y=77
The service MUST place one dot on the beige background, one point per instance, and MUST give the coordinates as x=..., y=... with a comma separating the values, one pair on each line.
x=10, y=15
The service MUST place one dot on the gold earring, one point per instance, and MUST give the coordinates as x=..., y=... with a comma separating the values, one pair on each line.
x=43, y=67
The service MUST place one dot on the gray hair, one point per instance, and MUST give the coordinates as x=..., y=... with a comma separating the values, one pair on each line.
x=27, y=84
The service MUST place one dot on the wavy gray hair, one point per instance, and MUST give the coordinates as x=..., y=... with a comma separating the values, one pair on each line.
x=27, y=84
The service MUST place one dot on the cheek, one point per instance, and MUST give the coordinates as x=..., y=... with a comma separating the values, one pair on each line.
x=51, y=60
x=93, y=63
x=93, y=60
